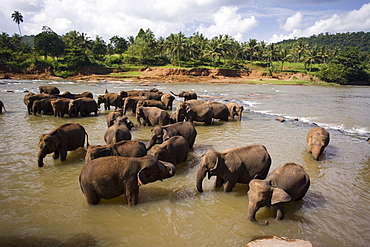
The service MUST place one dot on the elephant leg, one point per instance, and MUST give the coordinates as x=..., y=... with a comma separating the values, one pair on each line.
x=219, y=182
x=132, y=195
x=63, y=155
x=279, y=210
x=229, y=186
x=56, y=154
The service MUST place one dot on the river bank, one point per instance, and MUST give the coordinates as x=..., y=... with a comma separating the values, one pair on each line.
x=179, y=75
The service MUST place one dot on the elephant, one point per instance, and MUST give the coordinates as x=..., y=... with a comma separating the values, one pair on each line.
x=167, y=100
x=60, y=107
x=233, y=165
x=131, y=103
x=174, y=150
x=150, y=103
x=162, y=133
x=220, y=111
x=66, y=137
x=235, y=110
x=122, y=148
x=119, y=131
x=194, y=110
x=83, y=106
x=69, y=95
x=30, y=97
x=49, y=89
x=152, y=95
x=152, y=116
x=43, y=106
x=110, y=99
x=113, y=116
x=112, y=176
x=288, y=182
x=187, y=95
x=1, y=107
x=317, y=140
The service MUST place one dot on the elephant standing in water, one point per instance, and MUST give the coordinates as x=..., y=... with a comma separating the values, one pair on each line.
x=119, y=131
x=167, y=100
x=162, y=133
x=235, y=110
x=289, y=182
x=187, y=95
x=194, y=110
x=49, y=89
x=317, y=140
x=174, y=150
x=66, y=137
x=234, y=165
x=112, y=176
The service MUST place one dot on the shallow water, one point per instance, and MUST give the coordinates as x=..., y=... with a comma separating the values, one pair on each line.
x=45, y=206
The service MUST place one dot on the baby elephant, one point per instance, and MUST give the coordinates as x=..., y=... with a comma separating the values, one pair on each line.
x=317, y=138
x=112, y=176
x=289, y=182
x=174, y=150
x=119, y=131
x=122, y=148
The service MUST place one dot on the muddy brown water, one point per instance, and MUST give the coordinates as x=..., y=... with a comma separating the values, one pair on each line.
x=45, y=206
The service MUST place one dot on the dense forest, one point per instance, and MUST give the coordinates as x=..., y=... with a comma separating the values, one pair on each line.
x=342, y=58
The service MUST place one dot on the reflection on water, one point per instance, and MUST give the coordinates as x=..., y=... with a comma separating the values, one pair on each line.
x=45, y=206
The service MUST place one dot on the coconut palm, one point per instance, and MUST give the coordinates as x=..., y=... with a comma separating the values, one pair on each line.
x=18, y=18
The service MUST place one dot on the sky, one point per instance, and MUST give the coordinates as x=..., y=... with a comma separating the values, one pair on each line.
x=263, y=20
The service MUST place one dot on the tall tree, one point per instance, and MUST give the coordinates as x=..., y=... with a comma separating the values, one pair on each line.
x=48, y=43
x=18, y=18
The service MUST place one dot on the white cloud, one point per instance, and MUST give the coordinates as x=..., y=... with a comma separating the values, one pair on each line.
x=292, y=22
x=227, y=21
x=353, y=21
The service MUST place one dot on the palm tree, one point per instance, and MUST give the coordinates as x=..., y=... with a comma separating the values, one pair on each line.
x=176, y=45
x=312, y=56
x=17, y=18
x=284, y=56
x=252, y=48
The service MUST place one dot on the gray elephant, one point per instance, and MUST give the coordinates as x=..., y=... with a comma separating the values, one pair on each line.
x=174, y=150
x=234, y=165
x=194, y=110
x=131, y=103
x=1, y=107
x=83, y=106
x=220, y=111
x=43, y=106
x=119, y=131
x=150, y=103
x=317, y=140
x=30, y=97
x=49, y=89
x=235, y=110
x=112, y=176
x=167, y=100
x=60, y=107
x=113, y=116
x=187, y=95
x=162, y=133
x=110, y=99
x=69, y=95
x=122, y=148
x=152, y=116
x=66, y=137
x=289, y=182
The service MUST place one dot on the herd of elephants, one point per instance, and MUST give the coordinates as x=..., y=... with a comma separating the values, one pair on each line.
x=123, y=165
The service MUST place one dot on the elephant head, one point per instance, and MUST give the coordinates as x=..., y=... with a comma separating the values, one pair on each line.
x=74, y=107
x=155, y=171
x=210, y=164
x=318, y=138
x=101, y=100
x=261, y=193
x=157, y=136
x=238, y=109
x=182, y=111
x=167, y=100
x=124, y=120
x=48, y=143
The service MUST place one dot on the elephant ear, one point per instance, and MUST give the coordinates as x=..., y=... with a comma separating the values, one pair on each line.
x=166, y=136
x=141, y=177
x=279, y=195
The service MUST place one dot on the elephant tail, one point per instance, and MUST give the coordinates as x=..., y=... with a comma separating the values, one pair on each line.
x=174, y=93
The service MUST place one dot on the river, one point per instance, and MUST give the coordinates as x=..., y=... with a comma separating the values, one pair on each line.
x=45, y=206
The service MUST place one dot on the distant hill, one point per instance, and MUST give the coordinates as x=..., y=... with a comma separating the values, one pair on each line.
x=361, y=40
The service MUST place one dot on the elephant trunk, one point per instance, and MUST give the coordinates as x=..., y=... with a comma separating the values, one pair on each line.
x=240, y=115
x=316, y=151
x=169, y=170
x=252, y=210
x=201, y=174
x=41, y=155
x=150, y=144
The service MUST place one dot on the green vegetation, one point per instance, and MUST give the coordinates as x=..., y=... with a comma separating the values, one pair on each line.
x=67, y=54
